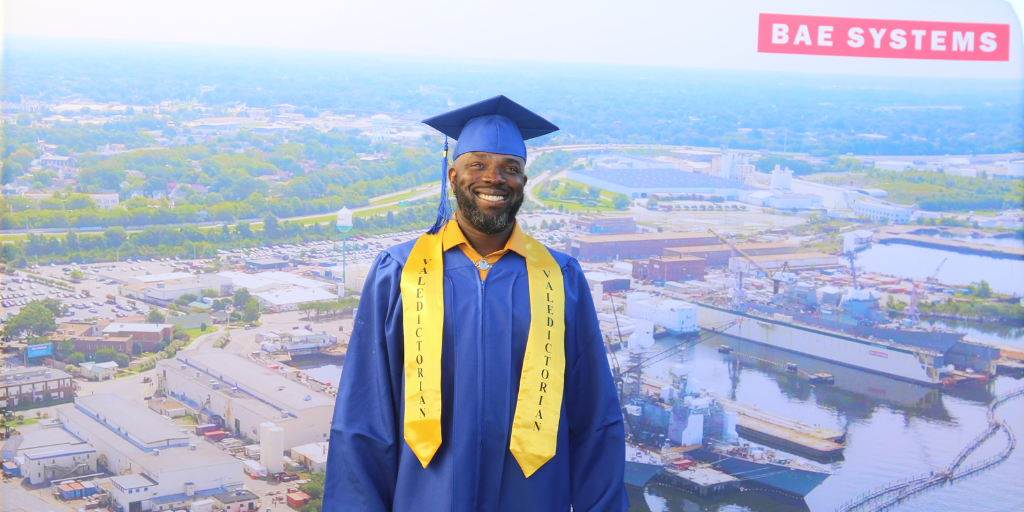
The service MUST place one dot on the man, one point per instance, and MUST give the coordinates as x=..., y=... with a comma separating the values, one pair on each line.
x=476, y=378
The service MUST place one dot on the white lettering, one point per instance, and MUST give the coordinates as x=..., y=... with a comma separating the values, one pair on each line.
x=780, y=33
x=899, y=39
x=938, y=40
x=825, y=35
x=963, y=41
x=856, y=35
x=877, y=36
x=987, y=42
x=918, y=34
x=802, y=35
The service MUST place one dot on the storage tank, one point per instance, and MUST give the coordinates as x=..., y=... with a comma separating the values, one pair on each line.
x=272, y=453
x=264, y=441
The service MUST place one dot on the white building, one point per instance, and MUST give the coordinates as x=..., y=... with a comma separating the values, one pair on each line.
x=53, y=454
x=967, y=172
x=106, y=201
x=313, y=456
x=782, y=179
x=98, y=371
x=895, y=213
x=163, y=289
x=276, y=301
x=246, y=394
x=158, y=467
x=1015, y=169
x=294, y=341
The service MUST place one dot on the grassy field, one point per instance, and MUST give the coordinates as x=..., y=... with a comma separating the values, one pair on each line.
x=195, y=333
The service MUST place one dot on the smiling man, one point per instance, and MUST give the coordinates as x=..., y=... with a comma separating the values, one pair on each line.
x=476, y=377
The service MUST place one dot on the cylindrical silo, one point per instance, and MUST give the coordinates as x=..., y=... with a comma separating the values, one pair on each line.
x=265, y=442
x=272, y=453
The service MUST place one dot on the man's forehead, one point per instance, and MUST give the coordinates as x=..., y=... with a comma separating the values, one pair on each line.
x=488, y=156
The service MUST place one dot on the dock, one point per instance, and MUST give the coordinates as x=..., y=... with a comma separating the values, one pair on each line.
x=701, y=479
x=786, y=433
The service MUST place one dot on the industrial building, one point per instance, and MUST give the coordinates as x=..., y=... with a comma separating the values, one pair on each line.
x=272, y=280
x=800, y=260
x=266, y=264
x=276, y=301
x=718, y=255
x=87, y=338
x=157, y=467
x=163, y=289
x=51, y=453
x=36, y=386
x=313, y=456
x=643, y=180
x=148, y=336
x=609, y=282
x=894, y=213
x=669, y=268
x=604, y=225
x=240, y=394
x=640, y=245
x=294, y=341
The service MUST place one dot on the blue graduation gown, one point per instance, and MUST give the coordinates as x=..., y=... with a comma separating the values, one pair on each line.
x=370, y=467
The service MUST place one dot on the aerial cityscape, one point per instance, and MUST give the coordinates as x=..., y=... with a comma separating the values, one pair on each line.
x=815, y=305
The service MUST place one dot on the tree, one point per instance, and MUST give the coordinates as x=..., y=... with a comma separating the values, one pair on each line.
x=314, y=486
x=76, y=274
x=251, y=310
x=115, y=236
x=74, y=358
x=241, y=297
x=108, y=354
x=202, y=327
x=34, y=320
x=155, y=317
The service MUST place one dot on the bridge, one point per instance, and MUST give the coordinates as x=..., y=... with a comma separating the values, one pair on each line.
x=893, y=493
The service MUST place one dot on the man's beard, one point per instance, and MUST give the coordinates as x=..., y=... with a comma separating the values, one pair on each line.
x=489, y=224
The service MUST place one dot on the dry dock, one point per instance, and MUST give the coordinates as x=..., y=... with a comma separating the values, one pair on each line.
x=786, y=433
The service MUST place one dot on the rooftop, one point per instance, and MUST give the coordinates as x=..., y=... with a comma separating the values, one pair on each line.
x=51, y=442
x=179, y=458
x=170, y=276
x=235, y=496
x=32, y=374
x=132, y=481
x=265, y=384
x=295, y=295
x=661, y=179
x=131, y=419
x=641, y=237
x=121, y=327
x=315, y=452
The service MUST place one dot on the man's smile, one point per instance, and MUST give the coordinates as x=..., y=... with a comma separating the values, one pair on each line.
x=497, y=198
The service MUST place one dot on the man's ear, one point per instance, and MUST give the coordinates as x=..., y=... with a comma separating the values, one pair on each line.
x=451, y=176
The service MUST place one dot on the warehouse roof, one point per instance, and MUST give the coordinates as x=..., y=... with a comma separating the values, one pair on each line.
x=131, y=418
x=295, y=296
x=170, y=276
x=662, y=178
x=120, y=327
x=641, y=237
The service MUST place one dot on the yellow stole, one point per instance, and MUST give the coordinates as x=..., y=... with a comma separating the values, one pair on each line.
x=538, y=406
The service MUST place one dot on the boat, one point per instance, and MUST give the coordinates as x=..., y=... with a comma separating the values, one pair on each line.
x=759, y=467
x=641, y=465
x=847, y=327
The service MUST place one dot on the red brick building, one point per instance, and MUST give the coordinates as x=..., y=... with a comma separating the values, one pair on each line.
x=148, y=336
x=38, y=386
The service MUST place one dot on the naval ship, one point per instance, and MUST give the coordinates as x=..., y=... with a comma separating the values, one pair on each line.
x=845, y=326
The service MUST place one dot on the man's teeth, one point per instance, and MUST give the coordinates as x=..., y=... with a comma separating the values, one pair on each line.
x=492, y=198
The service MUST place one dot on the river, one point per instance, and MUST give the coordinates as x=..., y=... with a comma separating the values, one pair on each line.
x=1004, y=275
x=895, y=430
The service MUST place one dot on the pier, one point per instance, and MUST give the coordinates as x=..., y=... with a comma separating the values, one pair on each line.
x=902, y=235
x=892, y=494
x=700, y=479
x=789, y=434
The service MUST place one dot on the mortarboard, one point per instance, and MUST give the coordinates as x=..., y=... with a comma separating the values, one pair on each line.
x=496, y=125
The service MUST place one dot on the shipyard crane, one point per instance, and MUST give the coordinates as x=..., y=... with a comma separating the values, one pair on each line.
x=913, y=313
x=769, y=274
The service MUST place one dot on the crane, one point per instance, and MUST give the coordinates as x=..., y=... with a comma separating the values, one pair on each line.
x=913, y=313
x=770, y=274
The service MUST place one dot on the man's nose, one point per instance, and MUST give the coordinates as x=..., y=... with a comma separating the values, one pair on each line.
x=494, y=175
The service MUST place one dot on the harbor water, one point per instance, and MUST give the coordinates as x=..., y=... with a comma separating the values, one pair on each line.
x=1004, y=275
x=895, y=430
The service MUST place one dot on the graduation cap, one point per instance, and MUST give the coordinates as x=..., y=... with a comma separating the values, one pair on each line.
x=496, y=125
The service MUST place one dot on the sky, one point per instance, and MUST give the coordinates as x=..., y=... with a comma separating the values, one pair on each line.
x=682, y=33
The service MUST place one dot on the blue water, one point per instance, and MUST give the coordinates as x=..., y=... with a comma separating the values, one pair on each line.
x=895, y=430
x=1004, y=275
